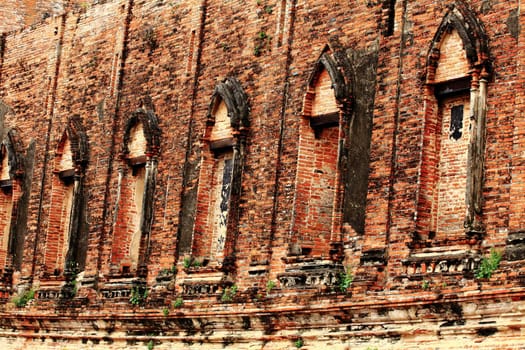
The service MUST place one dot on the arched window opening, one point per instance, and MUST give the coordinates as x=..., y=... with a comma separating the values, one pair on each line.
x=315, y=251
x=13, y=203
x=137, y=161
x=6, y=206
x=450, y=201
x=62, y=199
x=447, y=136
x=318, y=202
x=220, y=176
x=66, y=240
x=216, y=176
x=130, y=249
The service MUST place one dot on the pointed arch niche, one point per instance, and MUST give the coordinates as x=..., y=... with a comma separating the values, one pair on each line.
x=220, y=176
x=11, y=191
x=449, y=209
x=137, y=178
x=319, y=193
x=66, y=236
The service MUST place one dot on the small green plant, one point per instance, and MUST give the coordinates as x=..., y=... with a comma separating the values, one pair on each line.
x=150, y=344
x=178, y=302
x=191, y=262
x=166, y=271
x=229, y=293
x=270, y=285
x=261, y=43
x=257, y=50
x=425, y=285
x=24, y=298
x=70, y=287
x=268, y=9
x=371, y=348
x=345, y=280
x=299, y=343
x=489, y=264
x=74, y=287
x=138, y=295
x=165, y=312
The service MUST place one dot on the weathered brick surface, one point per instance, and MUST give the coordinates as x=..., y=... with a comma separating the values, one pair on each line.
x=16, y=14
x=413, y=263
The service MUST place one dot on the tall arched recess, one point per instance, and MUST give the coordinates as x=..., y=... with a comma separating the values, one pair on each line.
x=66, y=234
x=136, y=194
x=449, y=207
x=15, y=182
x=210, y=248
x=317, y=208
x=315, y=246
x=13, y=206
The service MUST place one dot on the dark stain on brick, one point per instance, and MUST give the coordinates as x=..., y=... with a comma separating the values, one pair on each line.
x=246, y=323
x=186, y=324
x=513, y=24
x=361, y=68
x=487, y=332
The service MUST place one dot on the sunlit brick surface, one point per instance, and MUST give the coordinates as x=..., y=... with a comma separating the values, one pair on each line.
x=293, y=241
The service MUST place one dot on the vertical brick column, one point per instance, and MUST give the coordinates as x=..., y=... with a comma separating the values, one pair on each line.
x=517, y=191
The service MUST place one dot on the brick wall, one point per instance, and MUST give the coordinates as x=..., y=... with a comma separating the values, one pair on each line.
x=317, y=181
x=105, y=60
x=452, y=169
x=453, y=63
x=324, y=101
x=128, y=230
x=222, y=126
x=137, y=142
x=18, y=14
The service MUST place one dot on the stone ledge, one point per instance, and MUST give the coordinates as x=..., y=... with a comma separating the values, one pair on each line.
x=205, y=282
x=515, y=249
x=311, y=274
x=460, y=261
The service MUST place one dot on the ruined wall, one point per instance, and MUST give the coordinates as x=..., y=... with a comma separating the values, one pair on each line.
x=16, y=14
x=378, y=281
